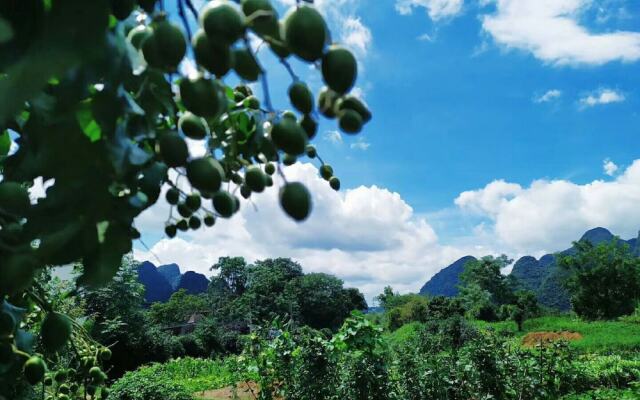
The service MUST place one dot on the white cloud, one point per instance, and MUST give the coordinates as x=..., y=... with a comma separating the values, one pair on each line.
x=368, y=236
x=549, y=214
x=356, y=35
x=360, y=144
x=548, y=96
x=610, y=168
x=550, y=30
x=437, y=9
x=333, y=136
x=602, y=96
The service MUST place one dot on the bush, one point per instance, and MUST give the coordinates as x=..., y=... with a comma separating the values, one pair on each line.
x=141, y=385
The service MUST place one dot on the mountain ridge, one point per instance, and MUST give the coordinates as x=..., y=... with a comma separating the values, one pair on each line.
x=163, y=281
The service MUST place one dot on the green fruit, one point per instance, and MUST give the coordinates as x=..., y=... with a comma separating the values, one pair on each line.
x=339, y=69
x=64, y=389
x=288, y=159
x=270, y=169
x=121, y=9
x=305, y=32
x=266, y=25
x=296, y=200
x=48, y=381
x=301, y=97
x=193, y=126
x=237, y=179
x=326, y=102
x=16, y=273
x=184, y=211
x=224, y=203
x=91, y=390
x=138, y=35
x=96, y=375
x=165, y=47
x=334, y=183
x=326, y=172
x=217, y=58
x=183, y=225
x=104, y=393
x=147, y=5
x=172, y=196
x=7, y=324
x=277, y=44
x=205, y=174
x=203, y=97
x=34, y=370
x=170, y=231
x=309, y=125
x=254, y=178
x=245, y=192
x=193, y=201
x=105, y=354
x=252, y=102
x=62, y=396
x=60, y=376
x=311, y=151
x=73, y=387
x=289, y=114
x=194, y=223
x=14, y=199
x=244, y=90
x=353, y=103
x=245, y=65
x=268, y=181
x=173, y=149
x=350, y=121
x=55, y=331
x=288, y=136
x=209, y=220
x=222, y=22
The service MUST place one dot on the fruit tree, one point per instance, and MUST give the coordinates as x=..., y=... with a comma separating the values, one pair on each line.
x=96, y=104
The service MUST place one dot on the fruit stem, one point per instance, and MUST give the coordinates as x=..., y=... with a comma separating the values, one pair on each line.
x=183, y=17
x=191, y=8
x=289, y=69
x=263, y=78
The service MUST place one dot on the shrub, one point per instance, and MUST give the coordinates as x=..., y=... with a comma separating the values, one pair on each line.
x=140, y=385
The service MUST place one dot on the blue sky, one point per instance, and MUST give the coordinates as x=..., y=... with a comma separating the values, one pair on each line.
x=499, y=126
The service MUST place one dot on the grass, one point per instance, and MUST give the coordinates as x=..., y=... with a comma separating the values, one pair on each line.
x=598, y=336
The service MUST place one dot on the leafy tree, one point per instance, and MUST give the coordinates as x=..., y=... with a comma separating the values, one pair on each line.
x=486, y=274
x=604, y=280
x=525, y=307
x=95, y=103
x=179, y=308
x=321, y=301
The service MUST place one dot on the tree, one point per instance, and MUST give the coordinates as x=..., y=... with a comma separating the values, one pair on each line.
x=525, y=307
x=95, y=103
x=179, y=308
x=321, y=301
x=604, y=280
x=486, y=274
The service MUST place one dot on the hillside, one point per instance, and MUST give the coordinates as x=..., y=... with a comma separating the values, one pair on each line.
x=161, y=282
x=539, y=275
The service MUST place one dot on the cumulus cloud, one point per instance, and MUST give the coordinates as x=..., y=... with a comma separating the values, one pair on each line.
x=550, y=95
x=609, y=167
x=551, y=31
x=368, y=236
x=602, y=96
x=437, y=9
x=552, y=213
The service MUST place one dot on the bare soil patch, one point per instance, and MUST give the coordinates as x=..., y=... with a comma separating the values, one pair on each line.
x=533, y=338
x=244, y=391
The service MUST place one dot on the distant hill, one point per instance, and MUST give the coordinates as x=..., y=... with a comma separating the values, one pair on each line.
x=161, y=282
x=193, y=282
x=445, y=282
x=156, y=287
x=543, y=276
x=171, y=273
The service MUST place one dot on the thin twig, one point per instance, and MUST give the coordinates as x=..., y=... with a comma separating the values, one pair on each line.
x=191, y=8
x=183, y=16
x=289, y=69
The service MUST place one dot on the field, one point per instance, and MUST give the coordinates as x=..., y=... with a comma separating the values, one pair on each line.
x=601, y=337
